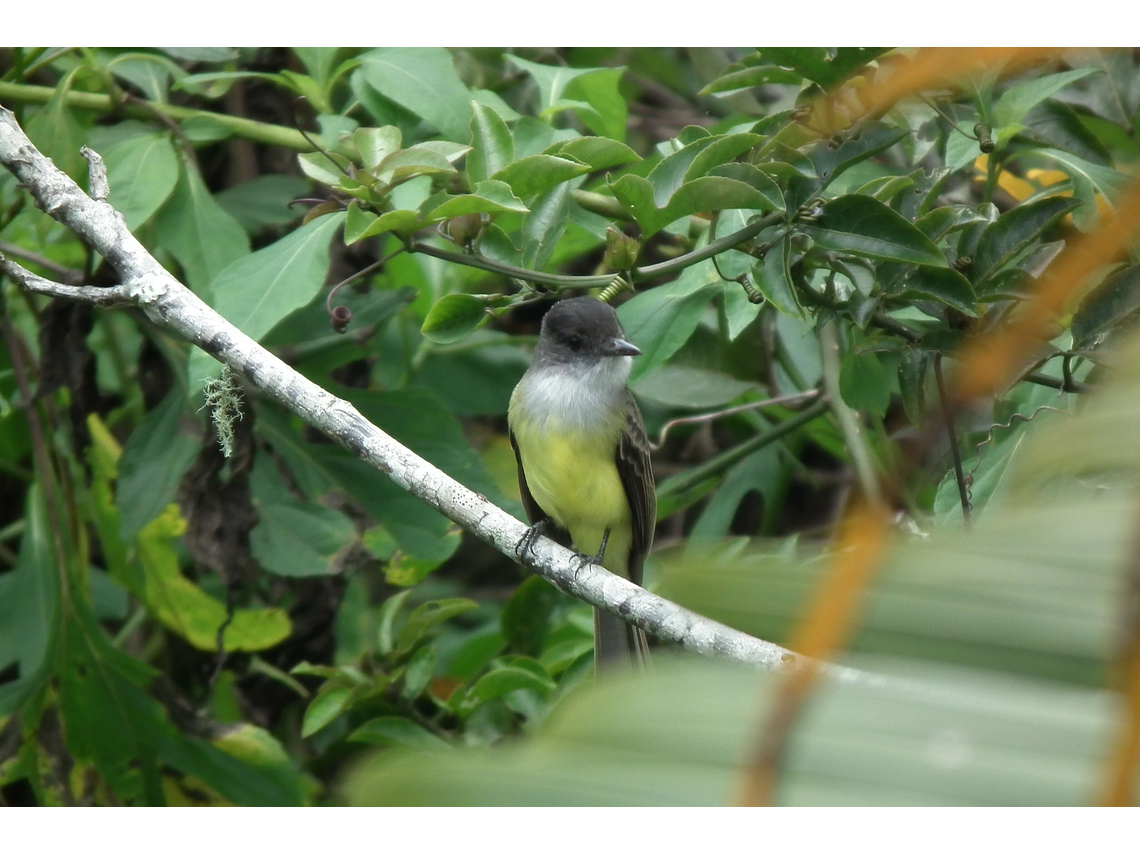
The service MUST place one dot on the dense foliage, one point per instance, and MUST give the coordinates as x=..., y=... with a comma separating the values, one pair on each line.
x=204, y=601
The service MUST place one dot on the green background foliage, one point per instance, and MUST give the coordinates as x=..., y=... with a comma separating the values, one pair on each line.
x=283, y=625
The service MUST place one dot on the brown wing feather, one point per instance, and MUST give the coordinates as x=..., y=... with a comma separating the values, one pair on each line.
x=636, y=471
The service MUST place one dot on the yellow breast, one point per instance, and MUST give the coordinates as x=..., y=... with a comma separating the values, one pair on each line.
x=573, y=478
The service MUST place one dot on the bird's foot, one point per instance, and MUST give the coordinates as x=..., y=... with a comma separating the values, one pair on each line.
x=585, y=559
x=527, y=541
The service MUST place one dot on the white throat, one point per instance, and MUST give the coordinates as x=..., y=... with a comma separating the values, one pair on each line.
x=576, y=396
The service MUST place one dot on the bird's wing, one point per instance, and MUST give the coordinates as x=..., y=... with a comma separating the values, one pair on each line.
x=636, y=471
x=534, y=513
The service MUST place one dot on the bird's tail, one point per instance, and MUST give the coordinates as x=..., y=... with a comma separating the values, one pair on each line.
x=616, y=641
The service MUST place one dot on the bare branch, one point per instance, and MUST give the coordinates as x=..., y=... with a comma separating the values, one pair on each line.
x=97, y=174
x=106, y=297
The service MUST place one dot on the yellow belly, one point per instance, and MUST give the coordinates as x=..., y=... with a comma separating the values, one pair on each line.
x=574, y=479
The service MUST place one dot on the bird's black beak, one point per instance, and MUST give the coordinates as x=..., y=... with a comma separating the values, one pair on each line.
x=621, y=347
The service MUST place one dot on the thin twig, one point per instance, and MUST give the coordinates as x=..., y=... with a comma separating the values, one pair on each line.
x=66, y=275
x=719, y=414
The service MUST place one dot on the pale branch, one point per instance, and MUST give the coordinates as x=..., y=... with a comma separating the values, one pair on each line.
x=168, y=303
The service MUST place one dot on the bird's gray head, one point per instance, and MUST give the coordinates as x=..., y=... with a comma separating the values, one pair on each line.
x=582, y=331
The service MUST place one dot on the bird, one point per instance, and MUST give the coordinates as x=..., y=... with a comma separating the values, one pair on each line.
x=584, y=467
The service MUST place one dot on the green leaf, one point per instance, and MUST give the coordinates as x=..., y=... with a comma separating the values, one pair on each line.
x=322, y=167
x=424, y=81
x=417, y=160
x=155, y=457
x=394, y=730
x=142, y=173
x=502, y=682
x=943, y=284
x=595, y=152
x=1014, y=231
x=375, y=144
x=424, y=617
x=940, y=222
x=773, y=279
x=1089, y=179
x=661, y=320
x=538, y=173
x=492, y=147
x=863, y=382
x=912, y=374
x=825, y=66
x=525, y=619
x=401, y=222
x=1019, y=99
x=417, y=675
x=746, y=74
x=185, y=608
x=598, y=104
x=545, y=225
x=691, y=388
x=264, y=201
x=199, y=232
x=873, y=138
x=748, y=174
x=257, y=291
x=454, y=317
x=693, y=161
x=324, y=708
x=487, y=197
x=710, y=193
x=29, y=607
x=57, y=133
x=295, y=538
x=1113, y=302
x=864, y=226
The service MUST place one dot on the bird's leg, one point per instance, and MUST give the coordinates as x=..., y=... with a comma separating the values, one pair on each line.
x=527, y=541
x=585, y=559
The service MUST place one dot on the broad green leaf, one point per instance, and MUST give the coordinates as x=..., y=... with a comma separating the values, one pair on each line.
x=1114, y=302
x=149, y=72
x=402, y=222
x=864, y=226
x=487, y=197
x=591, y=92
x=375, y=144
x=943, y=284
x=58, y=133
x=29, y=608
x=322, y=167
x=1013, y=105
x=545, y=225
x=1054, y=124
x=455, y=316
x=1014, y=231
x=940, y=222
x=667, y=176
x=912, y=377
x=962, y=148
x=923, y=196
x=748, y=174
x=502, y=682
x=758, y=472
x=142, y=173
x=525, y=619
x=492, y=147
x=886, y=187
x=264, y=201
x=1089, y=181
x=185, y=608
x=155, y=457
x=424, y=617
x=324, y=708
x=198, y=231
x=825, y=66
x=356, y=223
x=863, y=382
x=538, y=173
x=417, y=675
x=595, y=152
x=772, y=278
x=296, y=538
x=830, y=162
x=394, y=730
x=424, y=81
x=691, y=388
x=710, y=193
x=661, y=320
x=747, y=73
x=417, y=160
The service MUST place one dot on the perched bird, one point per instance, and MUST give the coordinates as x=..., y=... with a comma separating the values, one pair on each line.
x=582, y=455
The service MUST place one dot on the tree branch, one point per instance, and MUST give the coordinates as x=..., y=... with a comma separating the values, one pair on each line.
x=168, y=303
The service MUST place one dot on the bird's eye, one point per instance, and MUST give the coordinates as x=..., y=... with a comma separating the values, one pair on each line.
x=574, y=341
